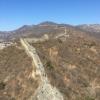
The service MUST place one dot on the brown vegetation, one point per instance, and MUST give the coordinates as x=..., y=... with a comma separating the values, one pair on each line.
x=16, y=82
x=73, y=66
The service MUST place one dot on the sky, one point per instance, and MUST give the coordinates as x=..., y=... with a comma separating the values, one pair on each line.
x=16, y=13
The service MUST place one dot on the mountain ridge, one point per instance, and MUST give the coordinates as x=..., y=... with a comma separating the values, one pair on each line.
x=48, y=27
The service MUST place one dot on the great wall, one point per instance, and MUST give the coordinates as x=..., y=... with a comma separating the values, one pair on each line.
x=45, y=91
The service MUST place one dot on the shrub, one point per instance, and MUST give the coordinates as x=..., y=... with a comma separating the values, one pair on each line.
x=89, y=98
x=2, y=85
x=49, y=65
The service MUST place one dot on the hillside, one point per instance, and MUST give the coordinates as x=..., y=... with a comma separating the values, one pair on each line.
x=72, y=65
x=16, y=81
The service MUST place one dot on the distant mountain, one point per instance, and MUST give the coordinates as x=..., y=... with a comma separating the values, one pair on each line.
x=50, y=28
x=4, y=35
x=38, y=30
x=94, y=29
x=48, y=23
x=90, y=27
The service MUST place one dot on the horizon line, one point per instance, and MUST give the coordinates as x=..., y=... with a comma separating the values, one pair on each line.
x=20, y=26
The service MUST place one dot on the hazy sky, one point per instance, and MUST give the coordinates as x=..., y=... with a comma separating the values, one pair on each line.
x=15, y=13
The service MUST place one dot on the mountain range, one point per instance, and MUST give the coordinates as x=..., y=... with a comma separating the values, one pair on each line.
x=49, y=28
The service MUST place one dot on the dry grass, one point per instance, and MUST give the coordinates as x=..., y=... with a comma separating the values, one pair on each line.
x=16, y=82
x=72, y=66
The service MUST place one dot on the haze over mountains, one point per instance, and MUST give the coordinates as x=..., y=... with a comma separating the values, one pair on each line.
x=48, y=27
